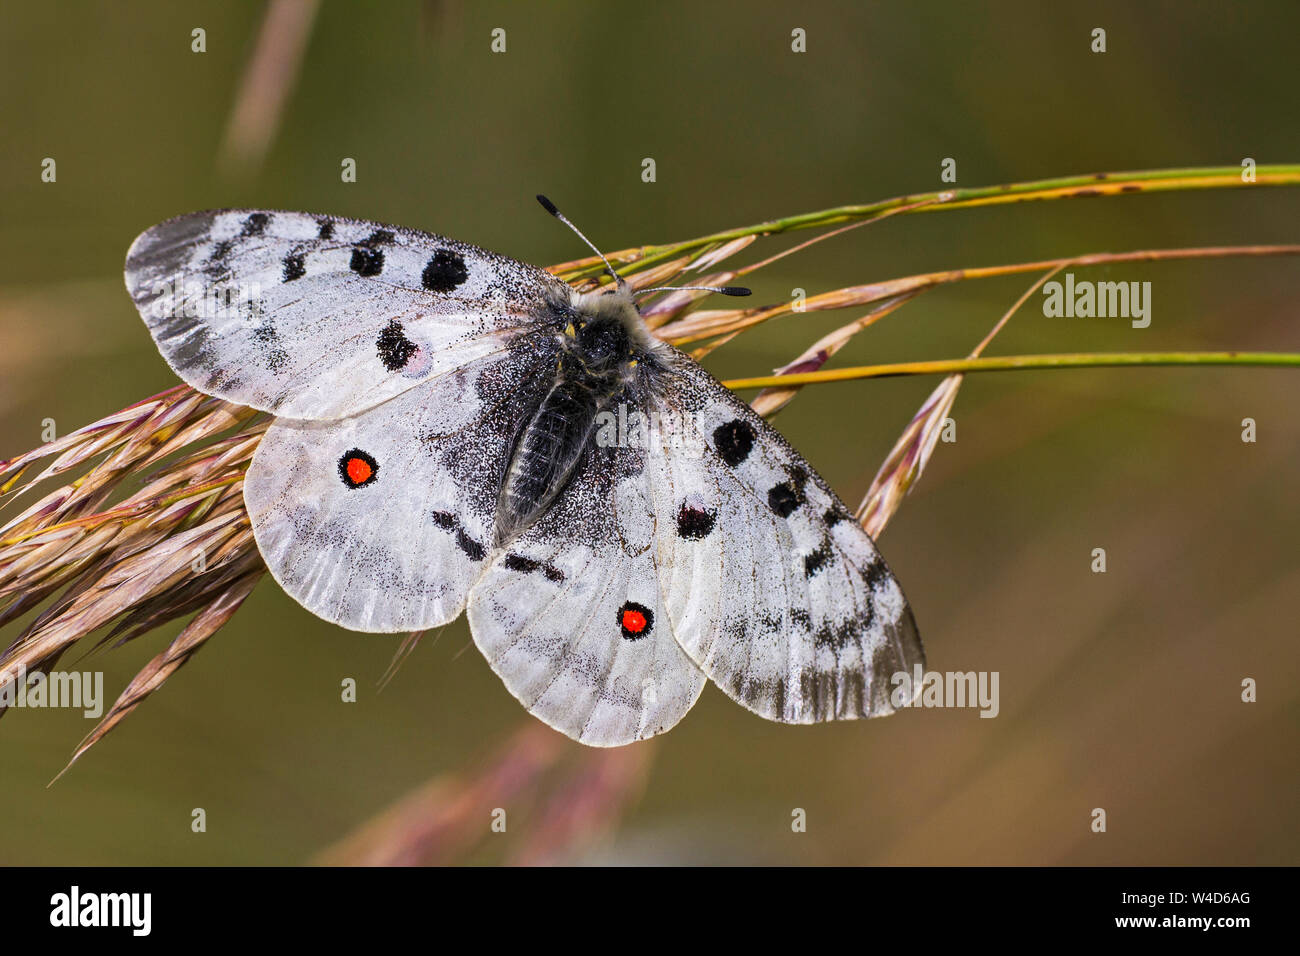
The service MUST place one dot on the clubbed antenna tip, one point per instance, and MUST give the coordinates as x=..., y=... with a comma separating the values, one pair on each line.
x=551, y=208
x=720, y=289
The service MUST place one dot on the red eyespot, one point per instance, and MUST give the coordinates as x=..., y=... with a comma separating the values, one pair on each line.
x=635, y=620
x=358, y=468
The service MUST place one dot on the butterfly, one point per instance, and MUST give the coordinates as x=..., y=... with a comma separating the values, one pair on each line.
x=450, y=436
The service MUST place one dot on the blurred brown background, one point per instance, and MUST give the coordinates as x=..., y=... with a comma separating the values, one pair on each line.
x=1119, y=691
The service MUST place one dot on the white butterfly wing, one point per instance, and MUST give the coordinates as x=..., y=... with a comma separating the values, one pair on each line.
x=771, y=586
x=374, y=502
x=383, y=520
x=318, y=317
x=570, y=615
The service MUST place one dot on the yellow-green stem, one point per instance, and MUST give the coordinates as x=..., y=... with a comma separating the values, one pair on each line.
x=1005, y=363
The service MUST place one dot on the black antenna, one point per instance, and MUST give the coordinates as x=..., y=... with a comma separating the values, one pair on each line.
x=550, y=207
x=721, y=289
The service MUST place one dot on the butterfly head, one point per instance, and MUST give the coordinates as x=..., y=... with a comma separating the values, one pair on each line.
x=606, y=334
x=606, y=317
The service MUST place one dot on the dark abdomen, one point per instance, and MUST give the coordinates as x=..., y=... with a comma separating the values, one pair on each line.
x=548, y=450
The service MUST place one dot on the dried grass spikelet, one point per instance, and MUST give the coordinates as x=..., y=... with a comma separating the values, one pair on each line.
x=908, y=458
x=771, y=400
x=152, y=528
x=911, y=453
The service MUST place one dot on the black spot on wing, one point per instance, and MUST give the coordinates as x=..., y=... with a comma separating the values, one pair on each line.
x=380, y=237
x=447, y=521
x=295, y=267
x=814, y=561
x=834, y=516
x=517, y=562
x=472, y=548
x=367, y=262
x=876, y=574
x=446, y=271
x=694, y=523
x=798, y=477
x=838, y=634
x=324, y=229
x=784, y=499
x=255, y=224
x=395, y=349
x=524, y=565
x=218, y=256
x=734, y=441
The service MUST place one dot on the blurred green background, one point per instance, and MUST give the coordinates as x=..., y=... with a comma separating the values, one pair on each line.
x=1118, y=691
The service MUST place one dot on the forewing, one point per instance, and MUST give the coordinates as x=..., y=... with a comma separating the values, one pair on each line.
x=771, y=585
x=570, y=614
x=317, y=317
x=383, y=520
